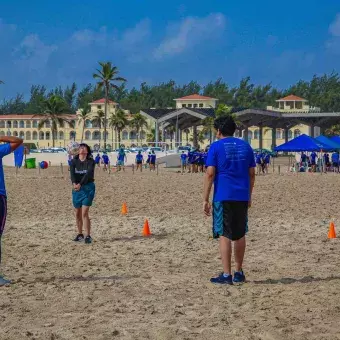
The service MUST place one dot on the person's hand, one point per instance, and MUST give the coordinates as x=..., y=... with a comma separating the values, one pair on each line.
x=76, y=187
x=249, y=204
x=207, y=208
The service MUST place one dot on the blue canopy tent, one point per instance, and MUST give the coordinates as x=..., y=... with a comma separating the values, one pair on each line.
x=331, y=143
x=335, y=139
x=303, y=143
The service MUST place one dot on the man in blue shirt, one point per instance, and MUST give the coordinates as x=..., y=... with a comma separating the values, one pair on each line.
x=313, y=157
x=184, y=157
x=11, y=144
x=335, y=161
x=106, y=161
x=121, y=159
x=153, y=161
x=139, y=160
x=231, y=167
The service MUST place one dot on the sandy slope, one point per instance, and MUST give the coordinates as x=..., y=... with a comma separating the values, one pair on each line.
x=126, y=287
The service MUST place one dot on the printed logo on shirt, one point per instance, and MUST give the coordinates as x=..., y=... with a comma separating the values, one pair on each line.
x=80, y=171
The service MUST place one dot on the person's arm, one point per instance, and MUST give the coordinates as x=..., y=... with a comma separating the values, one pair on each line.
x=252, y=183
x=14, y=142
x=207, y=185
x=89, y=173
x=73, y=172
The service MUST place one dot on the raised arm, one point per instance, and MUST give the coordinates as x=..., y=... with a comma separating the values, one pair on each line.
x=15, y=142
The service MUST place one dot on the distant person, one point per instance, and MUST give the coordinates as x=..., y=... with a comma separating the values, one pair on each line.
x=267, y=159
x=121, y=159
x=149, y=160
x=304, y=161
x=335, y=161
x=231, y=169
x=326, y=161
x=106, y=161
x=69, y=161
x=97, y=160
x=190, y=160
x=313, y=158
x=184, y=157
x=153, y=161
x=11, y=144
x=83, y=192
x=139, y=160
x=259, y=162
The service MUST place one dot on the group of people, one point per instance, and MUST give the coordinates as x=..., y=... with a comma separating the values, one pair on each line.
x=229, y=166
x=194, y=161
x=262, y=160
x=313, y=162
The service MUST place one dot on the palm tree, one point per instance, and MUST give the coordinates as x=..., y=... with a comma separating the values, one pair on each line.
x=138, y=122
x=208, y=125
x=118, y=122
x=53, y=112
x=106, y=76
x=83, y=116
x=187, y=132
x=99, y=120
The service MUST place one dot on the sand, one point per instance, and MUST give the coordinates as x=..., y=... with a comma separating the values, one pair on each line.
x=124, y=286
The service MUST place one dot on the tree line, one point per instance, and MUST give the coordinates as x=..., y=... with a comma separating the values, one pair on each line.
x=321, y=91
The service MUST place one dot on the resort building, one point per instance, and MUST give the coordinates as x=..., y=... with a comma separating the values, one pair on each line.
x=291, y=117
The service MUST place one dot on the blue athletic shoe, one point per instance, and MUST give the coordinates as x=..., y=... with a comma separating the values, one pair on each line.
x=221, y=279
x=4, y=282
x=88, y=239
x=239, y=277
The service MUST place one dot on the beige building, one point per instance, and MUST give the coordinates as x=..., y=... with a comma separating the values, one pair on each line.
x=26, y=126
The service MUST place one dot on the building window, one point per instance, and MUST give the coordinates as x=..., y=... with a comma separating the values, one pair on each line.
x=200, y=105
x=28, y=135
x=195, y=105
x=133, y=135
x=88, y=124
x=72, y=135
x=278, y=134
x=8, y=133
x=47, y=124
x=189, y=105
x=35, y=123
x=9, y=124
x=61, y=135
x=297, y=133
x=2, y=124
x=15, y=124
x=28, y=124
x=47, y=135
x=125, y=135
x=95, y=135
x=21, y=124
x=184, y=105
x=87, y=135
x=41, y=135
x=250, y=135
x=290, y=134
x=99, y=107
x=35, y=135
x=15, y=134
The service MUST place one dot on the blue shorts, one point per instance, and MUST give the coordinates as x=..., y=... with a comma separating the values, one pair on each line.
x=120, y=163
x=85, y=196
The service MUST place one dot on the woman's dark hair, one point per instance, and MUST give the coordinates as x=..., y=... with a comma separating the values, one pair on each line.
x=226, y=125
x=89, y=151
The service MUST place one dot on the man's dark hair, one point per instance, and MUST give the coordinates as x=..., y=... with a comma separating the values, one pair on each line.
x=226, y=125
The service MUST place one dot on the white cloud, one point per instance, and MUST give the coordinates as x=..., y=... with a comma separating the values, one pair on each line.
x=136, y=35
x=190, y=32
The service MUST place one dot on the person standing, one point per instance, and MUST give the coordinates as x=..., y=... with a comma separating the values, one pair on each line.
x=83, y=191
x=121, y=159
x=139, y=160
x=153, y=161
x=10, y=144
x=184, y=157
x=231, y=167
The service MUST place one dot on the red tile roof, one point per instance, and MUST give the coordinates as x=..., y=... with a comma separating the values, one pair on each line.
x=19, y=117
x=194, y=97
x=291, y=98
x=102, y=101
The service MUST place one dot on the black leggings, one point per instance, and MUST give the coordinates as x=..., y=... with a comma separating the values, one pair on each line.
x=3, y=215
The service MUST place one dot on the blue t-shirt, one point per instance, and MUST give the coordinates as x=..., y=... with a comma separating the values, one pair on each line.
x=190, y=156
x=105, y=159
x=139, y=158
x=259, y=158
x=5, y=149
x=232, y=158
x=303, y=158
x=313, y=156
x=184, y=157
x=335, y=157
x=153, y=158
x=97, y=159
x=267, y=159
x=121, y=156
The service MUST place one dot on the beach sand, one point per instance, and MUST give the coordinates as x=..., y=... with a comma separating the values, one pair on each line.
x=124, y=286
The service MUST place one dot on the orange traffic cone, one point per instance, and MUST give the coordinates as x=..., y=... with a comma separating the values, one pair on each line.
x=124, y=209
x=146, y=229
x=331, y=233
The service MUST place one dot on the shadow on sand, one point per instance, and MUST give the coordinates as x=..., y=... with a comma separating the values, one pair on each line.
x=138, y=237
x=288, y=280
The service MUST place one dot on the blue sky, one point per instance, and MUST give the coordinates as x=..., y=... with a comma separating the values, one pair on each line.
x=58, y=42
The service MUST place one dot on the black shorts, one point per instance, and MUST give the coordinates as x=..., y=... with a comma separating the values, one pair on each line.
x=152, y=162
x=139, y=162
x=3, y=215
x=230, y=219
x=335, y=164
